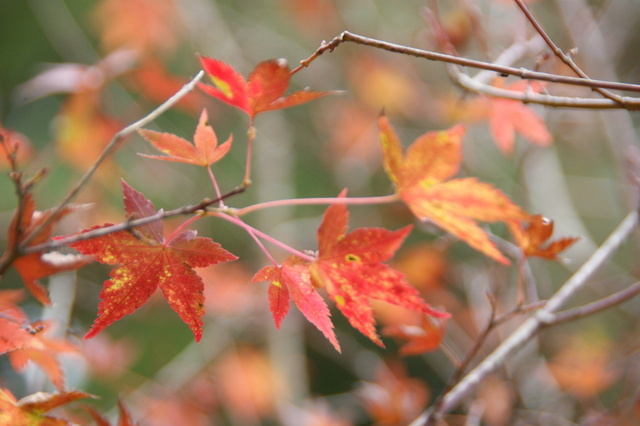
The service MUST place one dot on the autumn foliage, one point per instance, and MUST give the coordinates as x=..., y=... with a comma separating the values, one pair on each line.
x=452, y=242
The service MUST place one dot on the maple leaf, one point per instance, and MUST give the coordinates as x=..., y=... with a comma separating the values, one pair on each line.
x=24, y=341
x=292, y=281
x=31, y=409
x=421, y=174
x=264, y=90
x=350, y=267
x=393, y=397
x=33, y=266
x=147, y=262
x=423, y=338
x=537, y=232
x=507, y=116
x=204, y=152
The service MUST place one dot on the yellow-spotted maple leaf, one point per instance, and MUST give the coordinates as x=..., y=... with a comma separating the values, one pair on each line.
x=264, y=90
x=203, y=152
x=31, y=410
x=422, y=179
x=292, y=281
x=34, y=266
x=147, y=261
x=350, y=267
x=533, y=237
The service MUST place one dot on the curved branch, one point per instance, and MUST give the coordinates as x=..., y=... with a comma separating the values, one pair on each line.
x=556, y=101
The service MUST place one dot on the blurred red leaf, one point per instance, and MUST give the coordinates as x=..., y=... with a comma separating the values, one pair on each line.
x=204, y=152
x=34, y=266
x=264, y=91
x=292, y=280
x=147, y=25
x=535, y=234
x=584, y=367
x=148, y=262
x=393, y=398
x=14, y=146
x=83, y=129
x=156, y=84
x=421, y=174
x=34, y=346
x=508, y=117
x=421, y=338
x=350, y=267
x=247, y=384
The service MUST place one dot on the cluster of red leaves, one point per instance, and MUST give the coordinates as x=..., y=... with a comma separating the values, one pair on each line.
x=147, y=261
x=349, y=266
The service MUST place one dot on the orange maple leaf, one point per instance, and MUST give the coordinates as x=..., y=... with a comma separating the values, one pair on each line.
x=204, y=152
x=31, y=409
x=537, y=233
x=263, y=92
x=36, y=347
x=34, y=266
x=350, y=267
x=421, y=174
x=508, y=117
x=292, y=280
x=148, y=262
x=24, y=341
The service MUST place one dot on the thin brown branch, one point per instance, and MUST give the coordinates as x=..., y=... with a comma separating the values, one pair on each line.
x=594, y=307
x=555, y=101
x=532, y=326
x=124, y=226
x=566, y=59
x=111, y=146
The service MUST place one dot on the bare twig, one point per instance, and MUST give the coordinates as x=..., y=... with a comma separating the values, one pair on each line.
x=532, y=326
x=111, y=147
x=549, y=100
x=566, y=59
x=595, y=307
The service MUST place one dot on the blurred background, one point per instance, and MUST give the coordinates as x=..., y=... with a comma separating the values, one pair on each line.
x=74, y=72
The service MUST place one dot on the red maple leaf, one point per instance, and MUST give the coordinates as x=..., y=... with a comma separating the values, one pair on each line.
x=350, y=267
x=204, y=152
x=264, y=91
x=421, y=174
x=34, y=266
x=508, y=117
x=148, y=262
x=532, y=237
x=292, y=281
